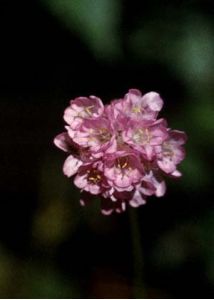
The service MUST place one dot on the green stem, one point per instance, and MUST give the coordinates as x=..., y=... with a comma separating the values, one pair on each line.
x=138, y=265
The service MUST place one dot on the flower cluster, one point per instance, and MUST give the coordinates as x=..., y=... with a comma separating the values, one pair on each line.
x=120, y=151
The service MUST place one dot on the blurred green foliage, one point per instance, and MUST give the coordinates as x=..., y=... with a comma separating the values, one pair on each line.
x=185, y=242
x=21, y=278
x=95, y=21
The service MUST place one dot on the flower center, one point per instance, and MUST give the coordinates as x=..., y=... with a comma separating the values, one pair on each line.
x=119, y=138
x=122, y=163
x=100, y=135
x=88, y=109
x=94, y=176
x=142, y=136
x=104, y=135
x=136, y=109
x=167, y=149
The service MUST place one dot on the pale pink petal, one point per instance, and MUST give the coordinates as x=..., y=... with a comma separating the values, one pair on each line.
x=167, y=165
x=137, y=199
x=85, y=199
x=147, y=188
x=160, y=188
x=128, y=188
x=110, y=173
x=80, y=181
x=136, y=92
x=121, y=207
x=149, y=151
x=179, y=137
x=107, y=207
x=176, y=173
x=71, y=165
x=93, y=189
x=122, y=181
x=153, y=100
x=63, y=141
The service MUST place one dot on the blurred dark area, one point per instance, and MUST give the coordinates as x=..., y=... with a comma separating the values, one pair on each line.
x=55, y=50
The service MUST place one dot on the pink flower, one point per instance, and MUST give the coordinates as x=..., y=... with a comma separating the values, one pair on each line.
x=96, y=135
x=123, y=171
x=90, y=178
x=152, y=184
x=120, y=151
x=83, y=108
x=143, y=136
x=144, y=107
x=171, y=152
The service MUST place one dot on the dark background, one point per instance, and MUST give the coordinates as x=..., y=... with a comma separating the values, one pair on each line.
x=54, y=50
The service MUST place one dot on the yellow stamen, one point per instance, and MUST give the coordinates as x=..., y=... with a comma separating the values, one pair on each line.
x=88, y=109
x=136, y=109
x=122, y=163
x=104, y=135
x=142, y=136
x=167, y=149
x=94, y=176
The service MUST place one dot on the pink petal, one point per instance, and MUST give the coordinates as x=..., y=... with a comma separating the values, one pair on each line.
x=153, y=100
x=148, y=151
x=107, y=207
x=93, y=189
x=110, y=173
x=136, y=92
x=71, y=165
x=122, y=181
x=80, y=181
x=179, y=137
x=167, y=165
x=63, y=142
x=176, y=173
x=120, y=208
x=160, y=189
x=137, y=199
x=69, y=115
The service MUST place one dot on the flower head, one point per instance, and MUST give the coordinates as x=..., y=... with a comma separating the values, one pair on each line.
x=120, y=151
